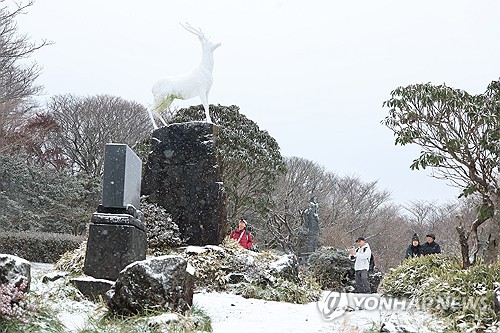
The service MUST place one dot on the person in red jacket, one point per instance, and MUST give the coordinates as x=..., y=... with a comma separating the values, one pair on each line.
x=242, y=235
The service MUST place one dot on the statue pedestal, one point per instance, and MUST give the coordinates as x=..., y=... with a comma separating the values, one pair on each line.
x=182, y=175
x=115, y=240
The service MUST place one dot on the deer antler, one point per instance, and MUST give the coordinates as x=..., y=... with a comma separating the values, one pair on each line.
x=194, y=31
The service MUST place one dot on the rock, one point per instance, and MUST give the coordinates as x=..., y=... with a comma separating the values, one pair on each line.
x=217, y=267
x=160, y=283
x=390, y=327
x=215, y=248
x=234, y=278
x=15, y=271
x=374, y=278
x=196, y=249
x=53, y=276
x=91, y=287
x=165, y=318
x=182, y=175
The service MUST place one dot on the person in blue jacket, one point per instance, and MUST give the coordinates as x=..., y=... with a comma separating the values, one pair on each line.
x=430, y=246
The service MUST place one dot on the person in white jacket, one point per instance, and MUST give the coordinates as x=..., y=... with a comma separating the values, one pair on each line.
x=362, y=256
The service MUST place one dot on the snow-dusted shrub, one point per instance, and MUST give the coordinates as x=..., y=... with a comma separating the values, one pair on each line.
x=235, y=269
x=214, y=266
x=162, y=233
x=303, y=291
x=12, y=301
x=439, y=284
x=407, y=279
x=38, y=246
x=73, y=261
x=251, y=158
x=332, y=268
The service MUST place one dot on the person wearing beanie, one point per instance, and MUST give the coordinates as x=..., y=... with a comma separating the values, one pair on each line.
x=430, y=246
x=242, y=235
x=414, y=249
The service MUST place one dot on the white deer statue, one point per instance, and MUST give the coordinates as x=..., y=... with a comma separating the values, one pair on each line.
x=185, y=86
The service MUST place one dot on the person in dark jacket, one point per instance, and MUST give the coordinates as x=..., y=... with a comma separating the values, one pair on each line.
x=414, y=249
x=430, y=247
x=242, y=235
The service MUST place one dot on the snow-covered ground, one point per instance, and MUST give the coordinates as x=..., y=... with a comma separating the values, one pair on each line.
x=230, y=313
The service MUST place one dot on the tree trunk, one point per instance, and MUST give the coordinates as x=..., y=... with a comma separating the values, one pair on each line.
x=464, y=245
x=493, y=250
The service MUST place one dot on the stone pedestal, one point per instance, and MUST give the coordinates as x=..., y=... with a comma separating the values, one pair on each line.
x=115, y=242
x=182, y=175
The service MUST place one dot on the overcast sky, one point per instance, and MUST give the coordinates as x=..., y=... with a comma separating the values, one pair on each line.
x=314, y=74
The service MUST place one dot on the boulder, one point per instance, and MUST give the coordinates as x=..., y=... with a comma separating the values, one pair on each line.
x=91, y=287
x=182, y=175
x=234, y=278
x=160, y=283
x=15, y=271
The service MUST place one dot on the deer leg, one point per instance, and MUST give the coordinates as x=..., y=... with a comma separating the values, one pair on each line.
x=150, y=112
x=162, y=120
x=162, y=105
x=204, y=101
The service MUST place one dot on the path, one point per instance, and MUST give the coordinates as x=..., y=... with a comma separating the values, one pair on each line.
x=229, y=312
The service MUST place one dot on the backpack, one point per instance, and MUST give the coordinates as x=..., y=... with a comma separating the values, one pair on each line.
x=371, y=266
x=246, y=234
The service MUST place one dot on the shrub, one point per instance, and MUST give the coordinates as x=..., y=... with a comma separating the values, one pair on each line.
x=332, y=268
x=407, y=279
x=305, y=290
x=250, y=274
x=438, y=283
x=162, y=233
x=38, y=247
x=40, y=199
x=73, y=261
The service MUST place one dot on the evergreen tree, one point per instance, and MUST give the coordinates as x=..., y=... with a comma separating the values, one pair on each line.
x=250, y=159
